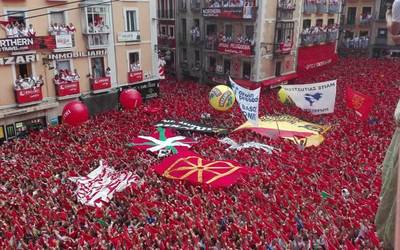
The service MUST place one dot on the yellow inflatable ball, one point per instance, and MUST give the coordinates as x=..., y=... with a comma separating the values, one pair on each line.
x=221, y=98
x=283, y=97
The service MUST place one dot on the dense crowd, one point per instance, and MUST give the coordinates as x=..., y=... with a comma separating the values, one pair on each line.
x=296, y=200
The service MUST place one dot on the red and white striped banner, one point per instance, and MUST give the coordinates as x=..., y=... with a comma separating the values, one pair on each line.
x=99, y=186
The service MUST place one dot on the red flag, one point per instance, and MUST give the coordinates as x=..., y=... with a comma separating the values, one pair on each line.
x=361, y=103
x=188, y=166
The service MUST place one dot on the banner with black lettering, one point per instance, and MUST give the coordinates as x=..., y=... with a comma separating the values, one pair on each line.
x=317, y=98
x=248, y=100
x=190, y=126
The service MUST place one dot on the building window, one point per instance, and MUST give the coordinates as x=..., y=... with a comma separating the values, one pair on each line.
x=228, y=30
x=97, y=67
x=284, y=32
x=319, y=22
x=306, y=23
x=131, y=20
x=23, y=70
x=196, y=23
x=382, y=33
x=212, y=63
x=184, y=29
x=278, y=67
x=246, y=71
x=97, y=19
x=211, y=29
x=351, y=15
x=163, y=30
x=227, y=66
x=171, y=9
x=363, y=33
x=331, y=22
x=184, y=55
x=197, y=57
x=134, y=61
x=249, y=31
x=16, y=16
x=366, y=11
x=171, y=31
x=10, y=131
x=63, y=65
x=57, y=17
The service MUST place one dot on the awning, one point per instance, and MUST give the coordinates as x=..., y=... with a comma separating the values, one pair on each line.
x=278, y=80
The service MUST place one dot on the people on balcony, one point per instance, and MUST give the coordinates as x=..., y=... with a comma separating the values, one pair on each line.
x=24, y=83
x=319, y=34
x=16, y=29
x=98, y=27
x=286, y=46
x=287, y=4
x=356, y=42
x=365, y=17
x=230, y=3
x=66, y=76
x=195, y=34
x=135, y=66
x=61, y=29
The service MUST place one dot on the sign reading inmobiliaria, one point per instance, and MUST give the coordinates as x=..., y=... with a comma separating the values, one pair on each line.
x=27, y=43
x=235, y=48
x=76, y=54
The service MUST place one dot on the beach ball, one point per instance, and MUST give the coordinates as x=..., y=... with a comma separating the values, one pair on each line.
x=221, y=98
x=130, y=99
x=75, y=113
x=283, y=97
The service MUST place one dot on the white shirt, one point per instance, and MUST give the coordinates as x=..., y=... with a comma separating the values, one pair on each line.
x=396, y=11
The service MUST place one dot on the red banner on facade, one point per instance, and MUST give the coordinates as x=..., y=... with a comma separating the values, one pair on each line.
x=246, y=12
x=235, y=48
x=135, y=76
x=29, y=95
x=27, y=43
x=67, y=88
x=100, y=83
x=314, y=57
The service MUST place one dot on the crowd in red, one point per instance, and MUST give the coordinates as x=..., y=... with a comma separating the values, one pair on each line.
x=280, y=207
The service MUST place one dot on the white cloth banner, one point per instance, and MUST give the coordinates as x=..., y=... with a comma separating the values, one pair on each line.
x=317, y=98
x=239, y=146
x=99, y=186
x=248, y=101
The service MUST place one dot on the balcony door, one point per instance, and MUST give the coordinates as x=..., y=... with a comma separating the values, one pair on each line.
x=23, y=70
x=351, y=15
x=227, y=66
x=97, y=64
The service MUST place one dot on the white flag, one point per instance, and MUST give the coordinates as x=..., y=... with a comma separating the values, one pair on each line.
x=317, y=98
x=99, y=186
x=248, y=101
x=239, y=146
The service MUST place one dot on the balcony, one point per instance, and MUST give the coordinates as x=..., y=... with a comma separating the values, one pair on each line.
x=165, y=41
x=233, y=12
x=67, y=89
x=283, y=48
x=28, y=96
x=285, y=10
x=129, y=36
x=97, y=41
x=332, y=36
x=355, y=43
x=322, y=8
x=100, y=84
x=312, y=39
x=366, y=21
x=333, y=8
x=211, y=44
x=195, y=5
x=309, y=8
x=135, y=76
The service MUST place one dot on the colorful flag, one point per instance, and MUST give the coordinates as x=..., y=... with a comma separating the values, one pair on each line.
x=191, y=126
x=239, y=146
x=248, y=100
x=317, y=98
x=325, y=195
x=289, y=127
x=99, y=186
x=163, y=140
x=195, y=169
x=361, y=103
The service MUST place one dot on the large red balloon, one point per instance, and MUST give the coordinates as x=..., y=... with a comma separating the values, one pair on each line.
x=75, y=113
x=130, y=99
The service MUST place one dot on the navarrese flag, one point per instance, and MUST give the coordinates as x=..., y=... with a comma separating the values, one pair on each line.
x=193, y=168
x=302, y=133
x=99, y=186
x=163, y=139
x=361, y=103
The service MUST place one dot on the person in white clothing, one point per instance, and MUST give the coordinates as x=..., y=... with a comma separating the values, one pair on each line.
x=393, y=21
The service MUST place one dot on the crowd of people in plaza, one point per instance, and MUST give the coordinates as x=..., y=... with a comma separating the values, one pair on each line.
x=25, y=82
x=295, y=199
x=61, y=29
x=17, y=29
x=63, y=76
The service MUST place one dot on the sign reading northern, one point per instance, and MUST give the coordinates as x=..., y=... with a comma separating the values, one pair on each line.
x=27, y=43
x=235, y=48
x=246, y=12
